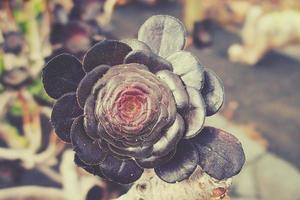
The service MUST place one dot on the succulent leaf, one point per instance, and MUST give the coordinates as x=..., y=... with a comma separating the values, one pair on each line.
x=93, y=169
x=181, y=166
x=170, y=139
x=175, y=84
x=106, y=52
x=86, y=84
x=194, y=116
x=89, y=121
x=65, y=110
x=61, y=75
x=154, y=161
x=188, y=67
x=121, y=171
x=163, y=34
x=212, y=92
x=136, y=152
x=87, y=149
x=220, y=154
x=153, y=62
x=136, y=45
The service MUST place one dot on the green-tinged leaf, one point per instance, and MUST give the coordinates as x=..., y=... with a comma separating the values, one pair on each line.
x=16, y=108
x=12, y=136
x=1, y=89
x=1, y=62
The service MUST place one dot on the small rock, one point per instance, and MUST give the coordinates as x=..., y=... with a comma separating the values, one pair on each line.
x=277, y=179
x=245, y=184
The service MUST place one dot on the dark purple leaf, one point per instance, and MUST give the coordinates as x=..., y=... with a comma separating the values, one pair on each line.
x=170, y=138
x=154, y=161
x=181, y=166
x=106, y=52
x=90, y=122
x=152, y=61
x=61, y=75
x=220, y=154
x=87, y=149
x=13, y=42
x=96, y=192
x=121, y=171
x=77, y=37
x=137, y=152
x=85, y=86
x=65, y=110
x=92, y=169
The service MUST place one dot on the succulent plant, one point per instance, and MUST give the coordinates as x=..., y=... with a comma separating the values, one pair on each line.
x=74, y=35
x=141, y=103
x=13, y=42
x=15, y=78
x=86, y=10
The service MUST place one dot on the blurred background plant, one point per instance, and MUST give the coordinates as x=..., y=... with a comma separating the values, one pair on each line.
x=251, y=19
x=263, y=100
x=32, y=31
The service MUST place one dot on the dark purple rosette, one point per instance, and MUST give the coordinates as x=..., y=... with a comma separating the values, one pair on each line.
x=73, y=32
x=13, y=42
x=141, y=103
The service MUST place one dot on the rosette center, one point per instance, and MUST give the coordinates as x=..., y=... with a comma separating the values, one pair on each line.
x=131, y=104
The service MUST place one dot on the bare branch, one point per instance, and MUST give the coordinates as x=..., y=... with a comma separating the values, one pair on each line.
x=70, y=177
x=50, y=173
x=5, y=99
x=30, y=160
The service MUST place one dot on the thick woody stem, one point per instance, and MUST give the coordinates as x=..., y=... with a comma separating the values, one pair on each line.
x=199, y=186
